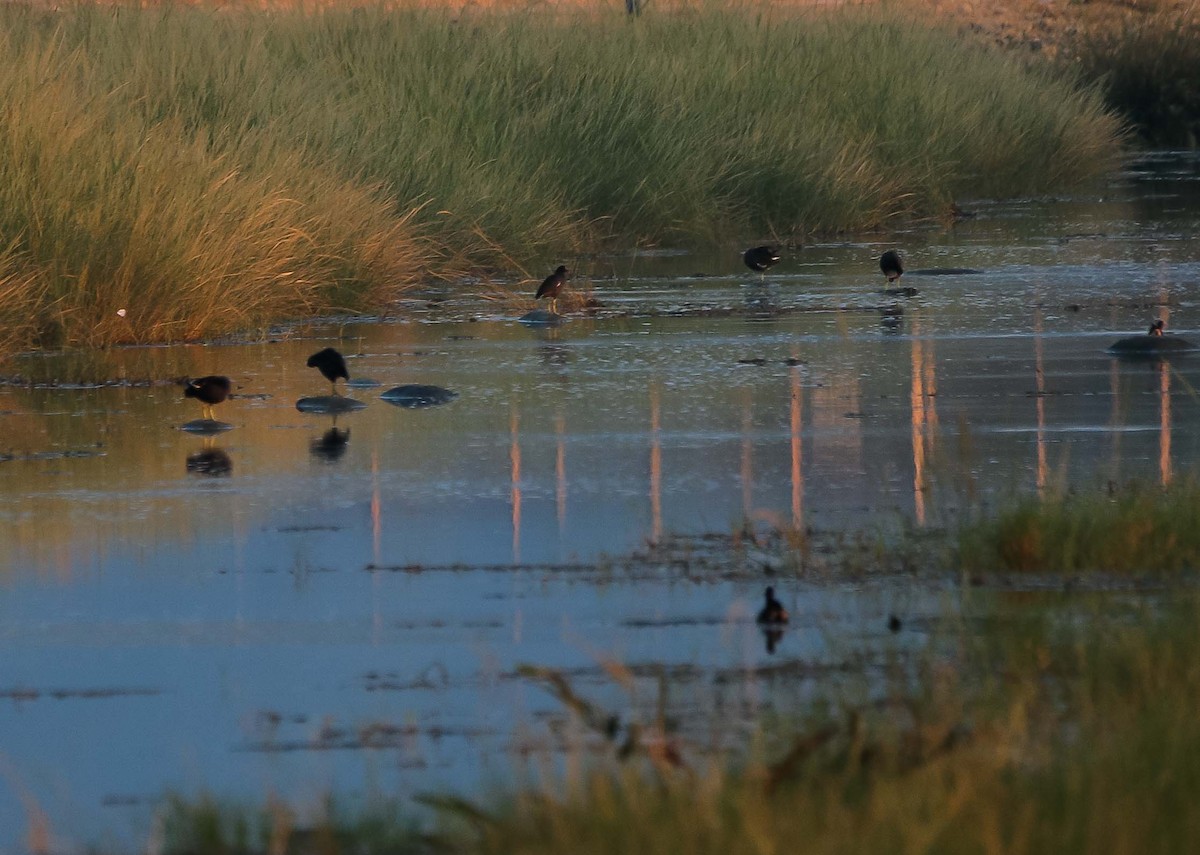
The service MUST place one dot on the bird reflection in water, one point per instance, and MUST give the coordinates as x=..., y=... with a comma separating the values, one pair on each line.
x=891, y=318
x=772, y=635
x=331, y=445
x=551, y=352
x=210, y=460
x=772, y=619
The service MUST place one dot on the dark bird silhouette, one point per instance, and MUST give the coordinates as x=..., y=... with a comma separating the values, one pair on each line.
x=209, y=391
x=892, y=265
x=760, y=259
x=551, y=285
x=330, y=363
x=773, y=610
x=1154, y=344
x=894, y=623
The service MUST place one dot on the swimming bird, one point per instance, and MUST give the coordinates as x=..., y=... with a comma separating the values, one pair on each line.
x=209, y=391
x=551, y=285
x=1153, y=343
x=773, y=611
x=760, y=259
x=892, y=265
x=330, y=363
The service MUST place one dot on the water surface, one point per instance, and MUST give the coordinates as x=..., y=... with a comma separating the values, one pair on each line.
x=347, y=611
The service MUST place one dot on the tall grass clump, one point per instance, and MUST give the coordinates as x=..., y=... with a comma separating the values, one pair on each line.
x=1134, y=530
x=1149, y=72
x=214, y=170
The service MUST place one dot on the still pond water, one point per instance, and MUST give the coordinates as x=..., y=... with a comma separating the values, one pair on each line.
x=345, y=612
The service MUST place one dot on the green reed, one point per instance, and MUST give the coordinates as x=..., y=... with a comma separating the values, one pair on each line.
x=210, y=171
x=1136, y=529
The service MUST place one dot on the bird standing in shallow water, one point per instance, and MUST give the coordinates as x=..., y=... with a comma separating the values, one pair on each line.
x=760, y=258
x=330, y=363
x=773, y=610
x=892, y=265
x=551, y=285
x=208, y=391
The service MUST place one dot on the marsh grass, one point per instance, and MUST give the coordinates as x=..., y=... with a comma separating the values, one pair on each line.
x=209, y=827
x=1135, y=529
x=213, y=170
x=1148, y=70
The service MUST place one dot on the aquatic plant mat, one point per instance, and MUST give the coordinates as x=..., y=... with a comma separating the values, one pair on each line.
x=174, y=173
x=1034, y=714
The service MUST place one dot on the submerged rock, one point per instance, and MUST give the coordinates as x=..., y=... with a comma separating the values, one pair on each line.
x=206, y=427
x=417, y=395
x=1151, y=346
x=329, y=404
x=541, y=318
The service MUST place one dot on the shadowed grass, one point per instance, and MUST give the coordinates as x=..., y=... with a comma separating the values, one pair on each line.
x=1149, y=71
x=211, y=171
x=208, y=827
x=1134, y=530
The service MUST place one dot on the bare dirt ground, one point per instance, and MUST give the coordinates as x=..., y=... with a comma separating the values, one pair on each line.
x=1046, y=25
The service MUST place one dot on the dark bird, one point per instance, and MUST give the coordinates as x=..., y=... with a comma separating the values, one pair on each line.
x=330, y=363
x=1154, y=344
x=773, y=610
x=892, y=265
x=760, y=259
x=208, y=391
x=551, y=285
x=894, y=623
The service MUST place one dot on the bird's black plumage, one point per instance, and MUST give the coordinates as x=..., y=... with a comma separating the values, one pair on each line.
x=760, y=258
x=892, y=265
x=331, y=364
x=208, y=391
x=551, y=285
x=773, y=610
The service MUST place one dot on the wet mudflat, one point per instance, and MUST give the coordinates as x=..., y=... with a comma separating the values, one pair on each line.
x=303, y=605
